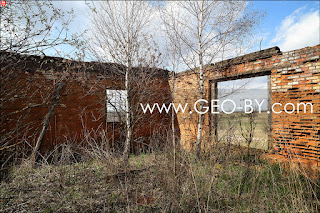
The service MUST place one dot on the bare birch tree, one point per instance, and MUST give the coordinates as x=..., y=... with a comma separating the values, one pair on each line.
x=120, y=35
x=206, y=30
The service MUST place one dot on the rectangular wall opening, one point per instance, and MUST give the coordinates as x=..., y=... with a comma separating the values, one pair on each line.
x=115, y=105
x=242, y=113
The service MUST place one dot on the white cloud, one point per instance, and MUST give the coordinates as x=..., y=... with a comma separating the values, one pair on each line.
x=298, y=30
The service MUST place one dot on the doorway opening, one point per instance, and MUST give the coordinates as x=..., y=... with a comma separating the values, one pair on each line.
x=242, y=114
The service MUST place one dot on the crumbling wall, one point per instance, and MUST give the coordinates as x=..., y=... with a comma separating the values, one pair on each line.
x=29, y=82
x=298, y=80
x=295, y=78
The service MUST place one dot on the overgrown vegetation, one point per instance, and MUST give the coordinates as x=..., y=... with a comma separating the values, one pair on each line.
x=93, y=178
x=224, y=180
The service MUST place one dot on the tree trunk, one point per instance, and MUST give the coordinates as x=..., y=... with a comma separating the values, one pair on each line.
x=127, y=87
x=173, y=116
x=200, y=121
x=128, y=121
x=45, y=125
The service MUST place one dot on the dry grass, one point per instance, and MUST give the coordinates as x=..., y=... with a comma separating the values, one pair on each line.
x=229, y=129
x=223, y=180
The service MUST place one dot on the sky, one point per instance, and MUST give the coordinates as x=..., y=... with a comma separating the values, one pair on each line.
x=254, y=89
x=288, y=24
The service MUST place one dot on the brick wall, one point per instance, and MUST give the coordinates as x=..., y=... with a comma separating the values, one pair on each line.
x=295, y=78
x=27, y=87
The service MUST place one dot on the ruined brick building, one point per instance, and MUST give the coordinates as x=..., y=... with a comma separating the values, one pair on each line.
x=81, y=110
x=85, y=110
x=294, y=77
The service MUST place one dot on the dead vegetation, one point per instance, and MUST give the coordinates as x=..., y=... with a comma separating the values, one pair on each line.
x=95, y=179
x=222, y=180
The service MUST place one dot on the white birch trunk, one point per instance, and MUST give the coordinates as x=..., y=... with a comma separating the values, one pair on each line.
x=127, y=87
x=128, y=119
x=200, y=121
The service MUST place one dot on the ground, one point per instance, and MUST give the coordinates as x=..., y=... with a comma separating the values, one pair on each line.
x=230, y=181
